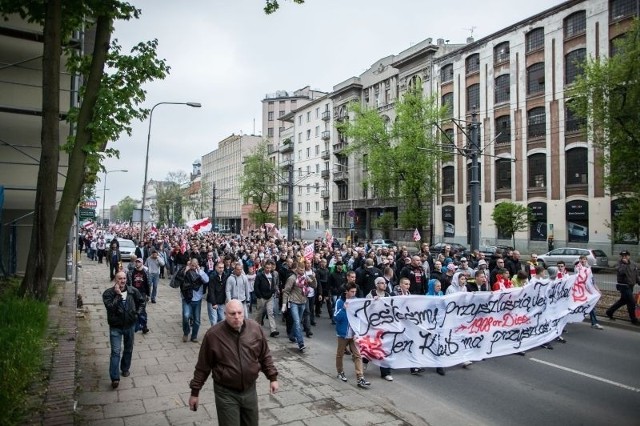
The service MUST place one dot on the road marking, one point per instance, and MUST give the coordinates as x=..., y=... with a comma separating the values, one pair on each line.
x=591, y=376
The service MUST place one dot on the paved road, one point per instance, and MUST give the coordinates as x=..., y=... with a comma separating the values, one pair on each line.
x=591, y=380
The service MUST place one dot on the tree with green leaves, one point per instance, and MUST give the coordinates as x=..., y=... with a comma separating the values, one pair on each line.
x=125, y=208
x=402, y=155
x=510, y=218
x=386, y=221
x=273, y=5
x=170, y=197
x=109, y=101
x=606, y=97
x=258, y=185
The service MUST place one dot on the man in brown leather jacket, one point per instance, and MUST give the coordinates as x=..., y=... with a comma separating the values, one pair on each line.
x=234, y=352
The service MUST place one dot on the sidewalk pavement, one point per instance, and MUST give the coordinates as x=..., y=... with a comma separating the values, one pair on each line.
x=157, y=391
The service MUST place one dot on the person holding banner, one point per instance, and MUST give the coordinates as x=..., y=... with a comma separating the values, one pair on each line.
x=345, y=337
x=376, y=293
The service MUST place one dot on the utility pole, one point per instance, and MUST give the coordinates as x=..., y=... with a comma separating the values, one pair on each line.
x=474, y=219
x=290, y=235
x=213, y=209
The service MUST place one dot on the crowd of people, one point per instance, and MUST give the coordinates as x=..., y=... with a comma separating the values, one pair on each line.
x=267, y=275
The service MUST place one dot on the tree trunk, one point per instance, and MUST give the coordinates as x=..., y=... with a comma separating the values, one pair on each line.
x=76, y=172
x=36, y=279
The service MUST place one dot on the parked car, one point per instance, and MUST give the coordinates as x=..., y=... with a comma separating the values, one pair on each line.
x=596, y=258
x=383, y=243
x=491, y=251
x=127, y=248
x=438, y=248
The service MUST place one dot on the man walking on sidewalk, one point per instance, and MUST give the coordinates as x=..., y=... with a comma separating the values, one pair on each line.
x=266, y=286
x=627, y=277
x=124, y=304
x=234, y=352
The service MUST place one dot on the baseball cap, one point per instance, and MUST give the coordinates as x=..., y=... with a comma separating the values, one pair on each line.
x=451, y=267
x=482, y=262
x=138, y=260
x=625, y=253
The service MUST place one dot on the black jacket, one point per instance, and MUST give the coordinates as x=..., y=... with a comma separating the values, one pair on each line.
x=123, y=315
x=262, y=288
x=217, y=289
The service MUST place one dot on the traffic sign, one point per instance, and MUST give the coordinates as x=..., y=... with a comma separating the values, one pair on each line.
x=85, y=214
x=89, y=203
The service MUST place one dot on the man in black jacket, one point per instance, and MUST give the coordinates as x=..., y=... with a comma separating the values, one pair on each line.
x=216, y=294
x=418, y=278
x=627, y=276
x=124, y=304
x=265, y=287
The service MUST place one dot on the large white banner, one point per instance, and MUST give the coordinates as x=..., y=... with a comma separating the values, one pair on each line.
x=432, y=331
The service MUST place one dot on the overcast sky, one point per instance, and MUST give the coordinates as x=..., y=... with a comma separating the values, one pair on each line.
x=227, y=54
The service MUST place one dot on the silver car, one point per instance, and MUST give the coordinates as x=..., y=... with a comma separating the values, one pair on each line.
x=596, y=258
x=127, y=248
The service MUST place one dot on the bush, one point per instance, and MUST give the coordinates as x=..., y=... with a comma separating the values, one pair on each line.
x=24, y=322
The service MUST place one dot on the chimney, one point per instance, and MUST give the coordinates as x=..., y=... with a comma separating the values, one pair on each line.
x=440, y=42
x=469, y=40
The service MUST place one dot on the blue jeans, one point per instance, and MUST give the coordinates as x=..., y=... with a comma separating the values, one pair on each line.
x=215, y=315
x=191, y=310
x=116, y=363
x=154, y=285
x=297, y=312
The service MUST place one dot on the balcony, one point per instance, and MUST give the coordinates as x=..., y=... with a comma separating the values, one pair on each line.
x=285, y=164
x=325, y=174
x=339, y=147
x=286, y=146
x=325, y=155
x=326, y=135
x=326, y=115
x=284, y=198
x=325, y=214
x=340, y=176
x=325, y=193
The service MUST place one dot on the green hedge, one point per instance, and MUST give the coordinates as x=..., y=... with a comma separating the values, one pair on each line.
x=22, y=329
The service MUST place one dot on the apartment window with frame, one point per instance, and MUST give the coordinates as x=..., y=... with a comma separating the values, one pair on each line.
x=447, y=101
x=308, y=206
x=299, y=171
x=317, y=204
x=317, y=131
x=501, y=53
x=318, y=112
x=299, y=190
x=280, y=130
x=299, y=154
x=317, y=168
x=448, y=180
x=308, y=134
x=448, y=143
x=300, y=137
x=620, y=9
x=573, y=62
x=270, y=132
x=308, y=170
x=299, y=207
x=473, y=97
x=308, y=116
x=575, y=24
x=446, y=73
x=573, y=123
x=308, y=189
x=317, y=187
x=343, y=192
x=503, y=129
x=577, y=166
x=472, y=63
x=535, y=40
x=270, y=116
x=317, y=149
x=614, y=44
x=300, y=120
x=535, y=78
x=317, y=225
x=281, y=113
x=536, y=122
x=503, y=174
x=502, y=89
x=537, y=168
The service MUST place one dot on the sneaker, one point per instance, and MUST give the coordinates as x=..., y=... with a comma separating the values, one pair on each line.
x=126, y=374
x=546, y=346
x=309, y=333
x=153, y=300
x=416, y=371
x=466, y=364
x=115, y=384
x=610, y=316
x=274, y=334
x=342, y=376
x=388, y=378
x=440, y=371
x=194, y=341
x=185, y=338
x=561, y=339
x=302, y=348
x=145, y=330
x=597, y=327
x=362, y=383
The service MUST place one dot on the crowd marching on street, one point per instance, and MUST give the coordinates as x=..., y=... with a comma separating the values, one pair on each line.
x=267, y=276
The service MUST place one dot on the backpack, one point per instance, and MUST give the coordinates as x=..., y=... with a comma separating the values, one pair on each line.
x=178, y=278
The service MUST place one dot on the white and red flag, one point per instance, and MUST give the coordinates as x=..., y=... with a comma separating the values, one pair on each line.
x=308, y=252
x=328, y=237
x=200, y=225
x=416, y=235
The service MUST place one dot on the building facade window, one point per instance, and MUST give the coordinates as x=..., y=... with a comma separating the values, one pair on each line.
x=575, y=24
x=473, y=97
x=448, y=142
x=270, y=132
x=537, y=166
x=502, y=89
x=573, y=62
x=503, y=173
x=620, y=9
x=446, y=73
x=308, y=206
x=448, y=180
x=447, y=101
x=613, y=45
x=573, y=123
x=535, y=78
x=577, y=166
x=270, y=116
x=281, y=113
x=501, y=53
x=472, y=63
x=343, y=192
x=535, y=40
x=536, y=122
x=503, y=129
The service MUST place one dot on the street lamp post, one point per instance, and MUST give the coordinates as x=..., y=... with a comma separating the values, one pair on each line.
x=146, y=159
x=104, y=192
